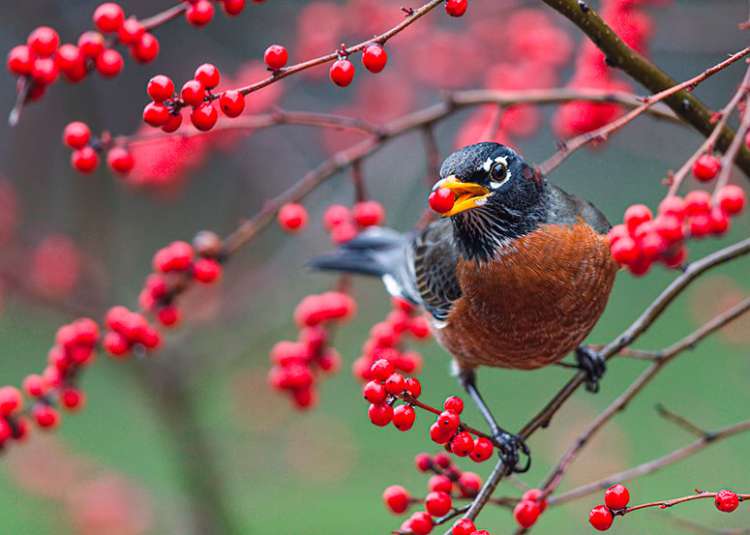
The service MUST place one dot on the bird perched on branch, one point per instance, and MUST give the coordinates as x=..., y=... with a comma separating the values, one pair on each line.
x=515, y=275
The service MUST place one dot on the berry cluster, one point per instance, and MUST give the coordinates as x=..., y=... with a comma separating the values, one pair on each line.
x=200, y=262
x=344, y=223
x=447, y=484
x=201, y=12
x=74, y=349
x=386, y=341
x=296, y=364
x=642, y=239
x=86, y=149
x=448, y=430
x=164, y=109
x=382, y=391
x=617, y=497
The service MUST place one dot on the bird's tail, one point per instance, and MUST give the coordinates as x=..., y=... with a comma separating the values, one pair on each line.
x=377, y=252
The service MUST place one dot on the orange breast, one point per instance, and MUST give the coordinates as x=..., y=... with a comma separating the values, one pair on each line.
x=534, y=303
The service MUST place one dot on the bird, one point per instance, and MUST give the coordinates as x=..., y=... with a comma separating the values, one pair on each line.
x=515, y=275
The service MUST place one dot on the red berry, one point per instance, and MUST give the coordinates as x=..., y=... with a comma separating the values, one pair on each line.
x=20, y=60
x=719, y=221
x=731, y=199
x=232, y=103
x=413, y=386
x=342, y=72
x=483, y=449
x=535, y=495
x=465, y=526
x=368, y=213
x=420, y=523
x=193, y=92
x=726, y=501
x=173, y=123
x=438, y=503
x=34, y=385
x=116, y=344
x=43, y=41
x=601, y=518
x=233, y=7
x=419, y=327
x=395, y=384
x=381, y=369
x=617, y=497
x=120, y=160
x=200, y=13
x=441, y=200
x=76, y=135
x=443, y=460
x=108, y=17
x=46, y=417
x=204, y=116
x=462, y=444
x=396, y=498
x=206, y=270
x=44, y=71
x=10, y=400
x=701, y=225
x=669, y=227
x=156, y=114
x=635, y=215
x=403, y=417
x=160, y=88
x=72, y=398
x=208, y=75
x=374, y=58
x=91, y=44
x=456, y=8
x=109, y=63
x=526, y=513
x=292, y=217
x=439, y=434
x=675, y=257
x=131, y=31
x=652, y=245
x=275, y=57
x=169, y=315
x=70, y=60
x=673, y=205
x=706, y=167
x=469, y=483
x=146, y=49
x=625, y=250
x=454, y=404
x=449, y=420
x=697, y=202
x=84, y=160
x=335, y=215
x=380, y=414
x=374, y=392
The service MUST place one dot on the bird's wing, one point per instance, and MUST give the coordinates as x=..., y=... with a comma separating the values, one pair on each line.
x=566, y=209
x=433, y=256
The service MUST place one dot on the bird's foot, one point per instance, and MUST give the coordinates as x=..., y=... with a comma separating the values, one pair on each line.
x=593, y=364
x=511, y=448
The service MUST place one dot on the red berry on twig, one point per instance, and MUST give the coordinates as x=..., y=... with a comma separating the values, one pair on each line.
x=617, y=497
x=275, y=57
x=726, y=501
x=374, y=58
x=601, y=518
x=342, y=72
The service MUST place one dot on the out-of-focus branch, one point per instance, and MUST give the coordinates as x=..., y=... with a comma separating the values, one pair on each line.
x=620, y=55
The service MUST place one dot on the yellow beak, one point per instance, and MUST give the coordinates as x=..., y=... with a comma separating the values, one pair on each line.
x=468, y=194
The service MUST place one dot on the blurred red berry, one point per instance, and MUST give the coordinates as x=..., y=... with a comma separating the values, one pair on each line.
x=635, y=215
x=456, y=8
x=292, y=217
x=465, y=526
x=706, y=167
x=108, y=17
x=72, y=399
x=625, y=250
x=342, y=72
x=335, y=215
x=45, y=416
x=469, y=483
x=200, y=13
x=368, y=213
x=76, y=135
x=206, y=270
x=91, y=44
x=275, y=57
x=43, y=41
x=673, y=205
x=396, y=498
x=535, y=495
x=526, y=513
x=169, y=315
x=20, y=60
x=120, y=160
x=731, y=199
x=10, y=400
x=109, y=63
x=381, y=369
x=233, y=7
x=130, y=31
x=44, y=71
x=617, y=497
x=601, y=518
x=374, y=58
x=146, y=49
x=84, y=160
x=719, y=221
x=697, y=202
x=726, y=501
x=34, y=385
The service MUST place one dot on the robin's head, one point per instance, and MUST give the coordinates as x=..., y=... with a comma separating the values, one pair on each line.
x=498, y=196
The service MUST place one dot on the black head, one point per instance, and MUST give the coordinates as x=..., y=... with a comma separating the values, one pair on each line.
x=499, y=197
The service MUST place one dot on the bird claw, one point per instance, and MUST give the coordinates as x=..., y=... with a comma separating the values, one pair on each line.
x=593, y=364
x=510, y=448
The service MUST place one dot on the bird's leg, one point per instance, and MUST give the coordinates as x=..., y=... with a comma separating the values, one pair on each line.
x=593, y=364
x=510, y=445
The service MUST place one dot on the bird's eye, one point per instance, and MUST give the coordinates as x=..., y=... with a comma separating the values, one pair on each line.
x=499, y=172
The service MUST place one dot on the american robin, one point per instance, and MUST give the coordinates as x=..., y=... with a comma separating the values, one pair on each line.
x=515, y=275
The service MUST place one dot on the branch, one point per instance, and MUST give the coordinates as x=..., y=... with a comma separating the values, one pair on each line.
x=620, y=55
x=602, y=133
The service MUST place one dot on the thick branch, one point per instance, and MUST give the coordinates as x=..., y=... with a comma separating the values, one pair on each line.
x=642, y=70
